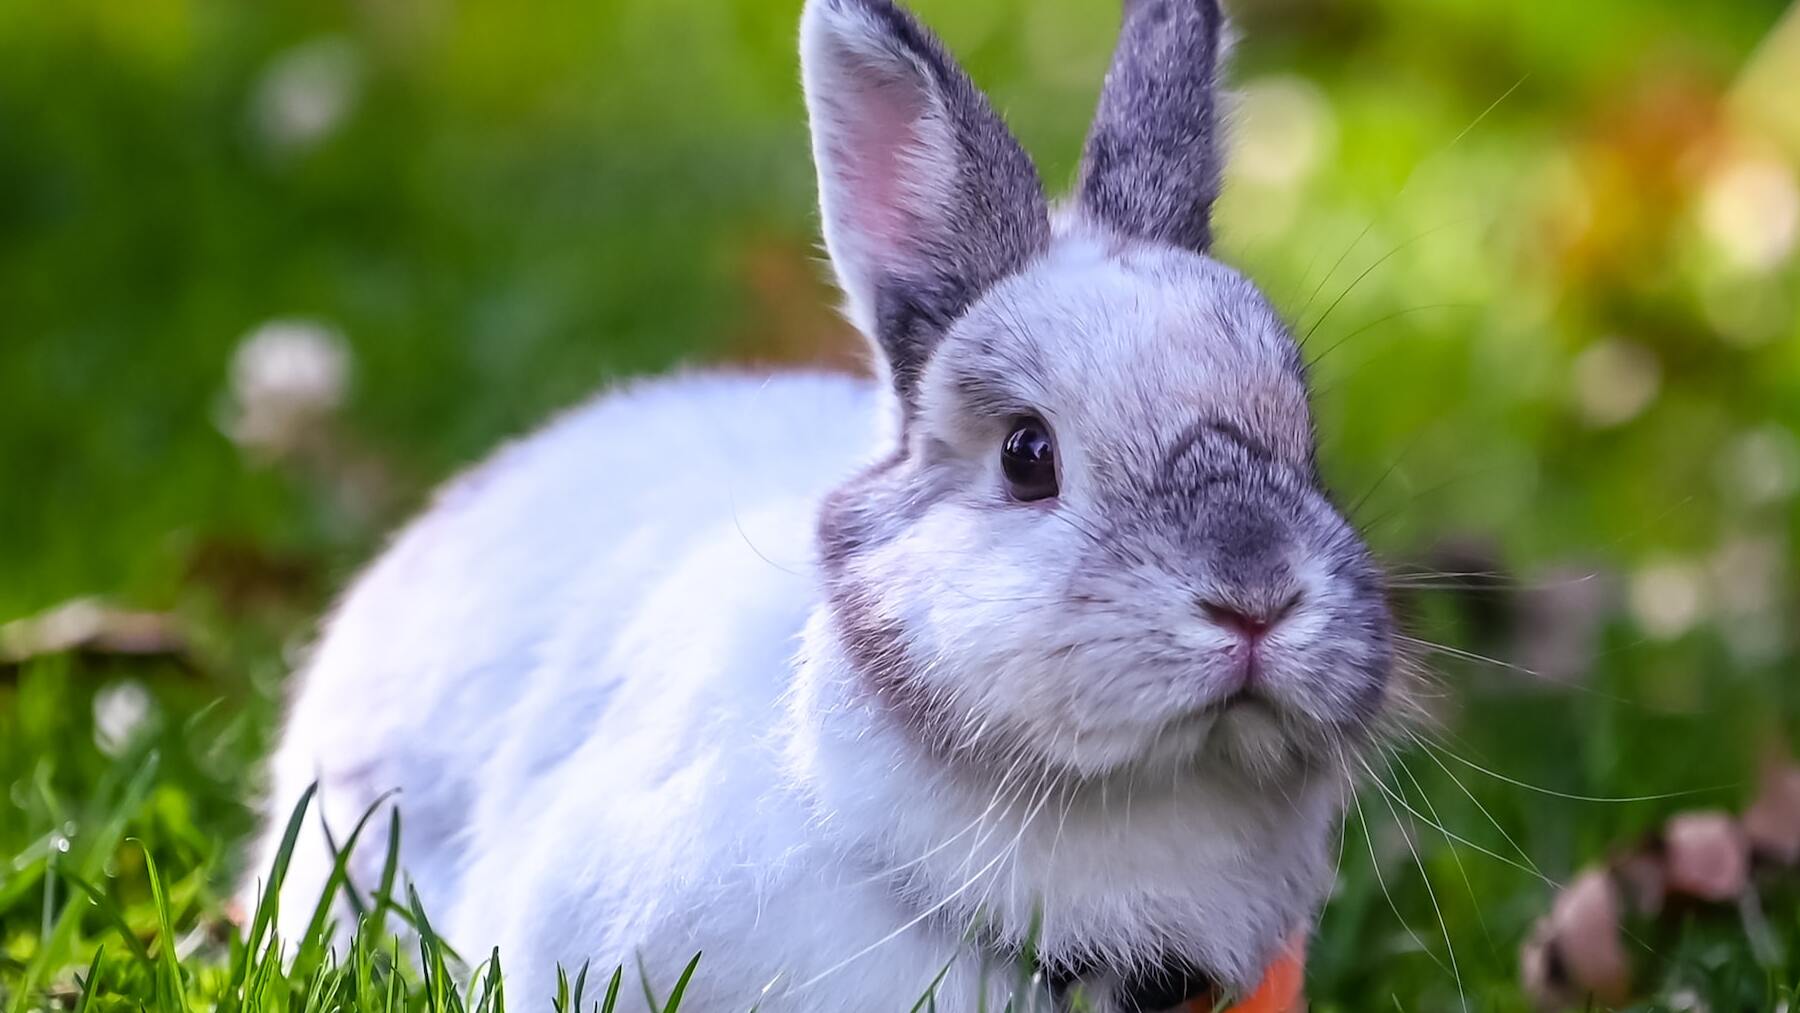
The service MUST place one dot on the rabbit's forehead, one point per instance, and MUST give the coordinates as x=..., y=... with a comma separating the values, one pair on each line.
x=1133, y=346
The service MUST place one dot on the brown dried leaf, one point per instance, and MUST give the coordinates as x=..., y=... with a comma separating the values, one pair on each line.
x=89, y=625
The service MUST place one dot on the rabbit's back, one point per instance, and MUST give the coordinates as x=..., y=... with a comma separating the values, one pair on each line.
x=494, y=635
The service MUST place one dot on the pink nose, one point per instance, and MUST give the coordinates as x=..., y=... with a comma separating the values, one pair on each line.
x=1252, y=623
x=1251, y=626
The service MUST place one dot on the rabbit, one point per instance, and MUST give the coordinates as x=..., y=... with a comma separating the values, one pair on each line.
x=1047, y=639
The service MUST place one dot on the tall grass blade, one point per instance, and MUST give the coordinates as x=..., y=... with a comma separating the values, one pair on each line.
x=612, y=990
x=267, y=906
x=317, y=930
x=93, y=976
x=681, y=985
x=390, y=872
x=171, y=993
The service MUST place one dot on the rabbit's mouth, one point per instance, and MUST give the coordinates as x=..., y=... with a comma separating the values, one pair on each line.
x=1245, y=695
x=1244, y=734
x=1254, y=729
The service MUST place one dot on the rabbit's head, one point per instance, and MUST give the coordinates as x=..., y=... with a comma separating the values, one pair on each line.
x=1100, y=539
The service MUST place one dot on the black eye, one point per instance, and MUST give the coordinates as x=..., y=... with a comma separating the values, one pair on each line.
x=1029, y=459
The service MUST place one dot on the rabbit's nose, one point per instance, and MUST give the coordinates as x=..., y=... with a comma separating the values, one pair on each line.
x=1250, y=621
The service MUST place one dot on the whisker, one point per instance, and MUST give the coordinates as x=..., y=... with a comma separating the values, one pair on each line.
x=1393, y=201
x=1571, y=796
x=1371, y=325
x=1491, y=574
x=1485, y=113
x=1375, y=863
x=1431, y=490
x=1559, y=684
x=1384, y=258
x=979, y=819
x=731, y=494
x=1411, y=445
x=1354, y=243
x=1524, y=855
x=928, y=912
x=1431, y=892
x=1467, y=655
x=1394, y=585
x=1480, y=580
x=1456, y=856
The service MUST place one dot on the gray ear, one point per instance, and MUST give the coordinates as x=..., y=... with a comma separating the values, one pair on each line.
x=1152, y=164
x=926, y=197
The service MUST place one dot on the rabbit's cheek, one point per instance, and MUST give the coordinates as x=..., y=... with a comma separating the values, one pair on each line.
x=1330, y=687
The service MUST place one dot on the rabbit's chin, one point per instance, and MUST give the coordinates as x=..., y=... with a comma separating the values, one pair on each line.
x=1244, y=737
x=1256, y=739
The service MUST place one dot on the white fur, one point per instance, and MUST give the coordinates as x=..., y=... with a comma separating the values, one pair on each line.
x=579, y=669
x=612, y=683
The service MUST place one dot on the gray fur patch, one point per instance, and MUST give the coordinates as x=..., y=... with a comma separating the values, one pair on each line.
x=1153, y=161
x=873, y=507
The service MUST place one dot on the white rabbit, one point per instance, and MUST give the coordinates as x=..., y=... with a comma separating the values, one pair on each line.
x=1048, y=638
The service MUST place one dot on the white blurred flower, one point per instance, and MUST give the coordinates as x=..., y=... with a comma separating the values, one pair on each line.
x=1615, y=380
x=305, y=93
x=119, y=711
x=1762, y=465
x=1748, y=574
x=1668, y=598
x=287, y=377
x=1750, y=209
x=1284, y=129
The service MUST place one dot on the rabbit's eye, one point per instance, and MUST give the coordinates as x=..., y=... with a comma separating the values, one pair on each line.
x=1029, y=459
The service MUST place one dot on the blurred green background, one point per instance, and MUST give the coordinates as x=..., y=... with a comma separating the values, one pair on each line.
x=270, y=270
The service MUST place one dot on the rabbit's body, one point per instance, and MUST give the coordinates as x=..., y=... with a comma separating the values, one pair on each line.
x=1049, y=639
x=483, y=660
x=609, y=749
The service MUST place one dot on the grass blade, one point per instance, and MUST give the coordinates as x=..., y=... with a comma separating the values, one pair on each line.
x=87, y=983
x=313, y=943
x=681, y=985
x=390, y=872
x=269, y=904
x=612, y=990
x=651, y=1002
x=581, y=986
x=170, y=992
x=929, y=999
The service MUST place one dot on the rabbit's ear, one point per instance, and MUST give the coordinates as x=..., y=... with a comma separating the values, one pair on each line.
x=926, y=197
x=1152, y=164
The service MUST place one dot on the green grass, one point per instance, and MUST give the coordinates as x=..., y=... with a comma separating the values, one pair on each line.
x=1509, y=210
x=367, y=969
x=121, y=930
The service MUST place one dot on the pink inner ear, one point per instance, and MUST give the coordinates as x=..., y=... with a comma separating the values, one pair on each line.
x=880, y=154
